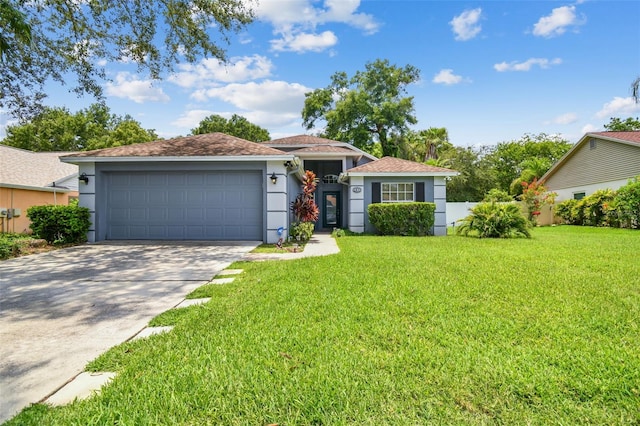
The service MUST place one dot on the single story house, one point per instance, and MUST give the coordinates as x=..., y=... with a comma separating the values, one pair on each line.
x=31, y=179
x=600, y=160
x=220, y=187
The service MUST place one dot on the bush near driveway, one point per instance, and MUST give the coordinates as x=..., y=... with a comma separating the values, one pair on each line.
x=60, y=224
x=399, y=331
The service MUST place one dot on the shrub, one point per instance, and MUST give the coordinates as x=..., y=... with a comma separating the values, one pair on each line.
x=564, y=210
x=535, y=196
x=627, y=203
x=413, y=219
x=492, y=220
x=60, y=224
x=301, y=231
x=595, y=206
x=496, y=195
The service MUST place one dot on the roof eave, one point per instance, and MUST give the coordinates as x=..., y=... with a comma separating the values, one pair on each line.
x=400, y=174
x=36, y=188
x=204, y=158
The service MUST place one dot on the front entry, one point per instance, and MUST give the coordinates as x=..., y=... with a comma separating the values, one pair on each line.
x=331, y=209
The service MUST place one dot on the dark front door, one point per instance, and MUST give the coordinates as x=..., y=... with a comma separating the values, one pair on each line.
x=331, y=209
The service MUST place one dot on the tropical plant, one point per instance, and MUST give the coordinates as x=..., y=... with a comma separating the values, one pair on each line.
x=304, y=209
x=496, y=195
x=495, y=220
x=565, y=210
x=535, y=196
x=627, y=203
x=596, y=206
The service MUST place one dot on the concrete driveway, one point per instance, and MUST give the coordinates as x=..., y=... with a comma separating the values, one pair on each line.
x=59, y=310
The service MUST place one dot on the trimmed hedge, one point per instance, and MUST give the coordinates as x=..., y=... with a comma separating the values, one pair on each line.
x=60, y=224
x=620, y=209
x=412, y=219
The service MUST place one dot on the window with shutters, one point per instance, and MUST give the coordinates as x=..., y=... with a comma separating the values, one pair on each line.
x=397, y=192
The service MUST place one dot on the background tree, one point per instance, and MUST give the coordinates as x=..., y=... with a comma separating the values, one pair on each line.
x=426, y=146
x=629, y=125
x=235, y=126
x=525, y=159
x=476, y=174
x=15, y=29
x=368, y=108
x=57, y=129
x=70, y=37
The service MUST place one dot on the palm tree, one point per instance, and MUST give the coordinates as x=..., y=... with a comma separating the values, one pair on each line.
x=635, y=90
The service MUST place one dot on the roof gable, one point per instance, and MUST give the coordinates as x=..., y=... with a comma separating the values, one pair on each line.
x=33, y=169
x=206, y=145
x=394, y=165
x=625, y=138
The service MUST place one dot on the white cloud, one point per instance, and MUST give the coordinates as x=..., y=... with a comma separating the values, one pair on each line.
x=128, y=86
x=295, y=22
x=557, y=22
x=268, y=96
x=303, y=42
x=568, y=118
x=590, y=128
x=302, y=13
x=465, y=26
x=618, y=106
x=192, y=118
x=210, y=71
x=446, y=76
x=526, y=65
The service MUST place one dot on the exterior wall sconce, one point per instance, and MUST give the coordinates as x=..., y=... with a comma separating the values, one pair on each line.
x=274, y=178
x=83, y=177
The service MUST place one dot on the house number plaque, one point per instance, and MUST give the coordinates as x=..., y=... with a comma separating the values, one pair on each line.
x=356, y=189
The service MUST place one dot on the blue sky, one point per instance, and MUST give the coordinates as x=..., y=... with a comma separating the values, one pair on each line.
x=491, y=71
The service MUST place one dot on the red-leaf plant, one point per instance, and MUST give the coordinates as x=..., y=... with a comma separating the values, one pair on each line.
x=304, y=207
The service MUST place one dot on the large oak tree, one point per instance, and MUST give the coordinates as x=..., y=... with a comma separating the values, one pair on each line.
x=369, y=108
x=58, y=40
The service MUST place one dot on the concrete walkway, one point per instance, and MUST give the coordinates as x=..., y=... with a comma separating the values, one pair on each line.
x=318, y=245
x=61, y=309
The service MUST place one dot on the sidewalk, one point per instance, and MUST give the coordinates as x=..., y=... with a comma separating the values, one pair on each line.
x=318, y=245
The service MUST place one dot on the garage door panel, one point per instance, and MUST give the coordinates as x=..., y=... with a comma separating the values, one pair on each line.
x=203, y=205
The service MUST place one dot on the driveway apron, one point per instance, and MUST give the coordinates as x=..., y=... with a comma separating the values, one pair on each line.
x=61, y=309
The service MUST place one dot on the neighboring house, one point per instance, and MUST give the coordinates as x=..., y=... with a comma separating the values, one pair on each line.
x=30, y=179
x=600, y=160
x=219, y=187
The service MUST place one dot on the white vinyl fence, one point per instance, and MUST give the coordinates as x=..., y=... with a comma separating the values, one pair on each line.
x=458, y=210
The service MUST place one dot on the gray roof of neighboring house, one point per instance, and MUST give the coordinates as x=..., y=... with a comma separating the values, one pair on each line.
x=33, y=169
x=302, y=140
x=207, y=145
x=398, y=165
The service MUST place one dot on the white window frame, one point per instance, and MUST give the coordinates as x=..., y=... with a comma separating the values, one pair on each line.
x=397, y=192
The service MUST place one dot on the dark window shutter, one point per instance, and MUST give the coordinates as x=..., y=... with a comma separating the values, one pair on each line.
x=419, y=191
x=376, y=195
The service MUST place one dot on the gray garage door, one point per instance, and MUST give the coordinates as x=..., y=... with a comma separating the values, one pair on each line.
x=193, y=205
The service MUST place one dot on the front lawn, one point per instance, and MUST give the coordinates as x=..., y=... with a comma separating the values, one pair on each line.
x=396, y=330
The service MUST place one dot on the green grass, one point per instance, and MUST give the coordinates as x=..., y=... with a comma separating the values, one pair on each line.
x=396, y=330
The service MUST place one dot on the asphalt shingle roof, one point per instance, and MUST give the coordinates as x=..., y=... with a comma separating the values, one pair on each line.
x=326, y=148
x=37, y=169
x=302, y=140
x=210, y=144
x=397, y=165
x=623, y=136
